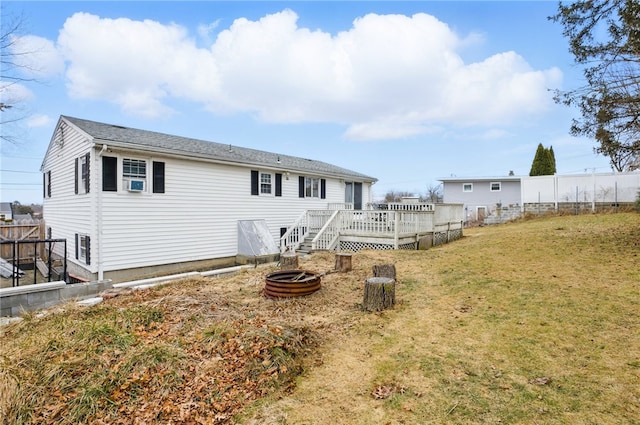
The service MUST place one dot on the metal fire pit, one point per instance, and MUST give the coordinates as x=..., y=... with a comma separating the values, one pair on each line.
x=291, y=283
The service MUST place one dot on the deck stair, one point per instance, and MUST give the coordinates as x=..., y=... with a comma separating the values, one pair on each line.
x=305, y=246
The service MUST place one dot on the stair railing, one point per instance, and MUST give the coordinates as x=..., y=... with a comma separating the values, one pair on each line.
x=329, y=234
x=295, y=235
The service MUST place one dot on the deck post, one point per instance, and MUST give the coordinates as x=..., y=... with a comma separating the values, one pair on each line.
x=396, y=229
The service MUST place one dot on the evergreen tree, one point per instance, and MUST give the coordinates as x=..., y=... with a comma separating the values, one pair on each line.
x=543, y=163
x=553, y=160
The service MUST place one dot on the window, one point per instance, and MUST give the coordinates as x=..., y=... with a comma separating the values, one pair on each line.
x=348, y=192
x=134, y=172
x=265, y=183
x=496, y=186
x=82, y=174
x=467, y=187
x=311, y=187
x=134, y=168
x=46, y=185
x=83, y=248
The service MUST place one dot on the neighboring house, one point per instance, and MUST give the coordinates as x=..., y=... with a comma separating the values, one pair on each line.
x=483, y=196
x=6, y=211
x=134, y=203
x=498, y=199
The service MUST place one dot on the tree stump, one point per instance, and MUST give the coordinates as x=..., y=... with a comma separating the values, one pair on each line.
x=385, y=270
x=288, y=261
x=343, y=262
x=379, y=293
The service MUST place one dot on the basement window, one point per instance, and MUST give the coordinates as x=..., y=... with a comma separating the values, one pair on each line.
x=496, y=187
x=467, y=187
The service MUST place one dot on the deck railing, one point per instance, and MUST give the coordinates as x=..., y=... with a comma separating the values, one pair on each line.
x=328, y=225
x=340, y=206
x=402, y=206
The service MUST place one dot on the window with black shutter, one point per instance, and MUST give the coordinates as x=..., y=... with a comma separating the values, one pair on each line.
x=301, y=187
x=158, y=177
x=83, y=248
x=86, y=172
x=82, y=174
x=109, y=173
x=255, y=189
x=46, y=184
x=278, y=184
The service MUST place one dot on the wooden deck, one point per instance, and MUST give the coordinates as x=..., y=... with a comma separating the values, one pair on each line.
x=393, y=228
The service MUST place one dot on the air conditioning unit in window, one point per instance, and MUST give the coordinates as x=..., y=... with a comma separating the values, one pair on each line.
x=135, y=185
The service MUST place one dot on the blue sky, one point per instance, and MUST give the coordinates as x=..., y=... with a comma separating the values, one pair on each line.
x=407, y=92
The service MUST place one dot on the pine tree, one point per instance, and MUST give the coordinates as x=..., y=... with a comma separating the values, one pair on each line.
x=543, y=163
x=553, y=160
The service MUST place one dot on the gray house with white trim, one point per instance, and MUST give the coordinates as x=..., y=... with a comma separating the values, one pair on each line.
x=483, y=196
x=134, y=203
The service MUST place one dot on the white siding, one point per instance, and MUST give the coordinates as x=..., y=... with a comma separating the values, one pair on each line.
x=195, y=219
x=65, y=212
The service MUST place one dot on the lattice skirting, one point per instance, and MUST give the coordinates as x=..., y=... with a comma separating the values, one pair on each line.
x=441, y=238
x=358, y=246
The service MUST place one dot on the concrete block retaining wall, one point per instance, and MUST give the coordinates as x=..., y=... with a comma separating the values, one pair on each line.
x=18, y=300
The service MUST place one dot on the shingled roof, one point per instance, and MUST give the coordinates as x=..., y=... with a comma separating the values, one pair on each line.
x=150, y=141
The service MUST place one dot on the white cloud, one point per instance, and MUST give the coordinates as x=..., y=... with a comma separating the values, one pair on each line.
x=36, y=57
x=135, y=64
x=14, y=93
x=388, y=76
x=39, y=120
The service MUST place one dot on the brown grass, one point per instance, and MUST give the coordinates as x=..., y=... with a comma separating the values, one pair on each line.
x=534, y=322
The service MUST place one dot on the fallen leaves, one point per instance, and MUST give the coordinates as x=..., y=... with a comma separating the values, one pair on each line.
x=382, y=392
x=540, y=381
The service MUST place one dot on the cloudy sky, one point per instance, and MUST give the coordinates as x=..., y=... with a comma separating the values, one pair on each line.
x=408, y=92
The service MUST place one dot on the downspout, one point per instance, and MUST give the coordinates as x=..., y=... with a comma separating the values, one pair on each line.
x=99, y=223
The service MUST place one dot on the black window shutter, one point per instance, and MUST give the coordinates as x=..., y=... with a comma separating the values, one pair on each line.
x=278, y=184
x=77, y=246
x=76, y=179
x=254, y=182
x=87, y=185
x=87, y=249
x=49, y=183
x=158, y=177
x=323, y=188
x=109, y=174
x=301, y=187
x=44, y=185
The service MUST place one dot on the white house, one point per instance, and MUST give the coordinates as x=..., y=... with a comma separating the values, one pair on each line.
x=6, y=211
x=134, y=203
